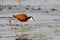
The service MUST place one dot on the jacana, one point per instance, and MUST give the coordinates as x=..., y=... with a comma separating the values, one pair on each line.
x=23, y=17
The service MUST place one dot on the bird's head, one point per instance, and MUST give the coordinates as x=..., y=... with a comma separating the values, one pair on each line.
x=30, y=18
x=14, y=16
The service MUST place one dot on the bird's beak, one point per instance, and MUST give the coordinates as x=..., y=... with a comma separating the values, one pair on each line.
x=33, y=18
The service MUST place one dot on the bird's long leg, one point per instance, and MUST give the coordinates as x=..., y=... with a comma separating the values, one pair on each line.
x=15, y=28
x=21, y=25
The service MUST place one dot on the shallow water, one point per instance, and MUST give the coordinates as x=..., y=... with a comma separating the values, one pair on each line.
x=45, y=27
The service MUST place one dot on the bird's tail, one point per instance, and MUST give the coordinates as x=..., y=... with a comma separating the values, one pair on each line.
x=14, y=16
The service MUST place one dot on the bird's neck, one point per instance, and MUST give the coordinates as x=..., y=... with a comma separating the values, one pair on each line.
x=30, y=19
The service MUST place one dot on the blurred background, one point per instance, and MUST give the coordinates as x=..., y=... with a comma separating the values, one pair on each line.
x=45, y=12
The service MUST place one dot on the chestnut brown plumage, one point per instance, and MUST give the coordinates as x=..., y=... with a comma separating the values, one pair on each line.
x=22, y=17
x=21, y=38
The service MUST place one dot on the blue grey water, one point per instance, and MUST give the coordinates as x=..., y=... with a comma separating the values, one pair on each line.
x=45, y=27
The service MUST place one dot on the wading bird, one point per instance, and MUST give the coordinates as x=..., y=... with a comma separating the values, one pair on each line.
x=23, y=17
